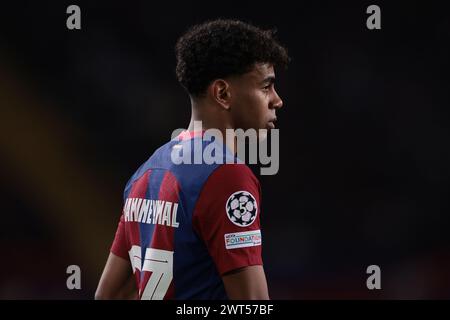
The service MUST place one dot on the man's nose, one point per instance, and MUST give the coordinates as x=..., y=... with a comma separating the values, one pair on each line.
x=277, y=102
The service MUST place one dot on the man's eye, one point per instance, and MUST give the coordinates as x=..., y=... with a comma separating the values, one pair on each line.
x=267, y=87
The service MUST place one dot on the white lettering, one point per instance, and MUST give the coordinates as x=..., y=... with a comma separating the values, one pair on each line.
x=151, y=211
x=166, y=213
x=175, y=223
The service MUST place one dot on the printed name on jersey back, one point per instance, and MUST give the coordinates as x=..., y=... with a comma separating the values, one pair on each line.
x=151, y=211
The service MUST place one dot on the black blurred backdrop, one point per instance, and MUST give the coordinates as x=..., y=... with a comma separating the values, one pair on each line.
x=364, y=169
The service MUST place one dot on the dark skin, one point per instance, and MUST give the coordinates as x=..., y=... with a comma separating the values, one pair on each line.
x=244, y=101
x=254, y=99
x=247, y=101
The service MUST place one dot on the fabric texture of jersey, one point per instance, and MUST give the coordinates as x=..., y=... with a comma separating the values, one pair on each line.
x=185, y=225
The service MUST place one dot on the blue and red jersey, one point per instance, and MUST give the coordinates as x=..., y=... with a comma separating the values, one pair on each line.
x=183, y=226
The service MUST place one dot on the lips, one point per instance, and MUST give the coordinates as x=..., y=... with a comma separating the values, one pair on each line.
x=271, y=123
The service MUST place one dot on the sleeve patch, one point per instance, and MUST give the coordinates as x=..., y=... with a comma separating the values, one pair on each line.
x=241, y=208
x=243, y=239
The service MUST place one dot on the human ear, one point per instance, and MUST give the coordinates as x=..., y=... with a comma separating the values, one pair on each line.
x=221, y=93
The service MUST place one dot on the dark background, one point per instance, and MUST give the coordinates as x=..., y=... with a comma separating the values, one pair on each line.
x=364, y=164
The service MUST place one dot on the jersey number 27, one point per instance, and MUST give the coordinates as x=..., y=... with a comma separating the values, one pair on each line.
x=160, y=264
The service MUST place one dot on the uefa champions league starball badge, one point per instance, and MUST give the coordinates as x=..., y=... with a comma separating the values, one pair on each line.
x=241, y=208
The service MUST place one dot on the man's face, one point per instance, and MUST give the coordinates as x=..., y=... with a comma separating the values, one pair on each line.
x=254, y=99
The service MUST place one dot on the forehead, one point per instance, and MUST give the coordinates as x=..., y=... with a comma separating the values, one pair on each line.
x=258, y=73
x=254, y=78
x=261, y=71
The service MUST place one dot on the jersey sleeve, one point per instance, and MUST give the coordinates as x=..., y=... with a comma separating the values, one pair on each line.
x=226, y=217
x=119, y=245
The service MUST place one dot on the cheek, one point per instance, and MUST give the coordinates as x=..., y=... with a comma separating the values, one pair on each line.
x=250, y=109
x=257, y=102
x=258, y=106
x=261, y=103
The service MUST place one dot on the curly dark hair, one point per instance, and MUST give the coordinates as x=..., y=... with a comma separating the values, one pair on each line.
x=220, y=48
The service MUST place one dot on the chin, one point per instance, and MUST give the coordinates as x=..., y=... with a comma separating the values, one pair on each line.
x=262, y=134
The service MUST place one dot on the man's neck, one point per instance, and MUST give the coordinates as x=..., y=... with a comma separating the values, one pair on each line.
x=211, y=119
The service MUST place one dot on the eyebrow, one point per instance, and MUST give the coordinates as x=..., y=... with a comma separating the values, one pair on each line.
x=268, y=80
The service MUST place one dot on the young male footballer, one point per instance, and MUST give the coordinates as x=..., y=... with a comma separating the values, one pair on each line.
x=192, y=231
